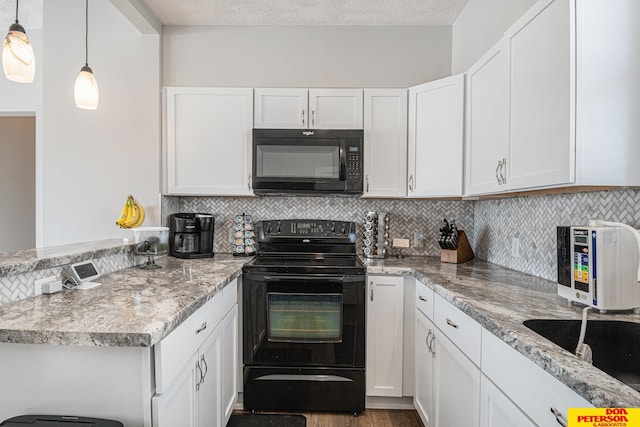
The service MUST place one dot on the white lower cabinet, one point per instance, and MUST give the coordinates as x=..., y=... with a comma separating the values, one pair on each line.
x=423, y=383
x=497, y=410
x=385, y=325
x=536, y=392
x=203, y=392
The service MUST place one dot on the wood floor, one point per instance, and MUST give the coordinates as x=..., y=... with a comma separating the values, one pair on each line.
x=369, y=418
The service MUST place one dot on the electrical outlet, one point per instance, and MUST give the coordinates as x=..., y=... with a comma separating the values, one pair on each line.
x=515, y=247
x=39, y=282
x=231, y=233
x=418, y=239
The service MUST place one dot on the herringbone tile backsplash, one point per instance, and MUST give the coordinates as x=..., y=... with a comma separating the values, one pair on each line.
x=406, y=216
x=533, y=220
x=490, y=224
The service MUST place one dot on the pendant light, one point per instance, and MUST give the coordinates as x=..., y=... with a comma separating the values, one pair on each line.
x=18, y=60
x=86, y=91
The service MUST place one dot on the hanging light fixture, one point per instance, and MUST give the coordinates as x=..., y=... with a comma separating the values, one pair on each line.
x=18, y=60
x=86, y=91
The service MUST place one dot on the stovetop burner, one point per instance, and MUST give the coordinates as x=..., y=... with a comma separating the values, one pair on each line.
x=304, y=246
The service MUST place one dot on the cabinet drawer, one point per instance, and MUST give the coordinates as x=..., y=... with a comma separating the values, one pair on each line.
x=424, y=299
x=530, y=387
x=462, y=330
x=176, y=348
x=229, y=297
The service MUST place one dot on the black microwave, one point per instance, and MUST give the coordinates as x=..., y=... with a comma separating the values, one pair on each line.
x=307, y=161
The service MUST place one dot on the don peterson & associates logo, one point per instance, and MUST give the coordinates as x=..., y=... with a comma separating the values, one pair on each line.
x=604, y=417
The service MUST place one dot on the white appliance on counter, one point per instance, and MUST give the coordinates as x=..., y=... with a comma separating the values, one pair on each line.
x=599, y=265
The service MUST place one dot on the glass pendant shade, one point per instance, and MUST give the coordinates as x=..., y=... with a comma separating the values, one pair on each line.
x=18, y=60
x=86, y=91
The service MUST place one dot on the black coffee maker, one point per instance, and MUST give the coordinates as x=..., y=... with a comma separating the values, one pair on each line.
x=191, y=235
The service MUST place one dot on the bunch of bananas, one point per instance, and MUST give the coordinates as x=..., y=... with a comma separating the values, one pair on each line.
x=132, y=214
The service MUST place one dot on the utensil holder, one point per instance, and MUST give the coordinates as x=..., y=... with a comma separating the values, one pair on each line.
x=462, y=253
x=376, y=234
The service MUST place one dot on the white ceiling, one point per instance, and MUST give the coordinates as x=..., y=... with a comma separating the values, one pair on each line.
x=306, y=12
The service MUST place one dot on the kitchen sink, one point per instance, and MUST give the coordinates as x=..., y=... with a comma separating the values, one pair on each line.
x=615, y=344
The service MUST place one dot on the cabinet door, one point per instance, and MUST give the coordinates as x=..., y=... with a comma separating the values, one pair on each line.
x=496, y=410
x=335, y=108
x=209, y=405
x=456, y=386
x=385, y=320
x=178, y=405
x=208, y=141
x=385, y=142
x=281, y=109
x=435, y=138
x=229, y=364
x=542, y=96
x=487, y=123
x=423, y=391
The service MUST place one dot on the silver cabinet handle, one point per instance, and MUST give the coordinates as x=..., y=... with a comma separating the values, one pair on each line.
x=428, y=341
x=367, y=179
x=411, y=183
x=198, y=375
x=497, y=169
x=249, y=181
x=421, y=298
x=503, y=168
x=202, y=327
x=206, y=368
x=450, y=323
x=302, y=117
x=371, y=291
x=433, y=349
x=559, y=417
x=313, y=118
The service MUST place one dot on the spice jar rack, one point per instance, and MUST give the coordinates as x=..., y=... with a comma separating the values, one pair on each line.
x=376, y=234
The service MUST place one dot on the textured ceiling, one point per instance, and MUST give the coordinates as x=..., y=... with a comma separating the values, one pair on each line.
x=306, y=12
x=29, y=15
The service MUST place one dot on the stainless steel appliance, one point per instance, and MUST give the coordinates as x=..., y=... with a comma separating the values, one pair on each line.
x=598, y=266
x=304, y=318
x=191, y=235
x=301, y=161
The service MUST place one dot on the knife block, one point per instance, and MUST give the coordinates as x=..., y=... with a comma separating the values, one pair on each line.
x=462, y=253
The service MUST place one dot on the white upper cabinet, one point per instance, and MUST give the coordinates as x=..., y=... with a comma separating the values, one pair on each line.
x=385, y=142
x=208, y=141
x=278, y=108
x=571, y=96
x=436, y=111
x=487, y=120
x=542, y=97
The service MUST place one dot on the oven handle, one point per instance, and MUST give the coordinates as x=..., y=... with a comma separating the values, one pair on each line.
x=314, y=277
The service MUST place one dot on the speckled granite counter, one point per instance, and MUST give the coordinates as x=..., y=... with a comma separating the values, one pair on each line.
x=132, y=307
x=500, y=300
x=136, y=307
x=17, y=262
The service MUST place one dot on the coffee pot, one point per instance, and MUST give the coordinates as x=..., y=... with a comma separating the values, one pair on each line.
x=191, y=235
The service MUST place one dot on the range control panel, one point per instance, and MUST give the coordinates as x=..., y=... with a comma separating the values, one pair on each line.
x=306, y=228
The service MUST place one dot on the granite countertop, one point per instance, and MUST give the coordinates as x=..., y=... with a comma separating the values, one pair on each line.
x=135, y=307
x=132, y=307
x=500, y=300
x=24, y=261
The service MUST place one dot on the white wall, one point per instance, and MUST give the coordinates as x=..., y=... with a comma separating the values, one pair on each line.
x=17, y=183
x=309, y=56
x=479, y=26
x=91, y=160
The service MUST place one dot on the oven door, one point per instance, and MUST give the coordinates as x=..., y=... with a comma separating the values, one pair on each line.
x=306, y=320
